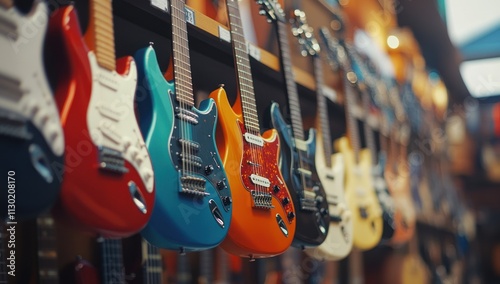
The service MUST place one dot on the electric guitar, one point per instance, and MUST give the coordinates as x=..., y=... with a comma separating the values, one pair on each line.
x=109, y=181
x=112, y=269
x=31, y=135
x=192, y=209
x=263, y=220
x=330, y=166
x=297, y=154
x=360, y=191
x=370, y=89
x=47, y=253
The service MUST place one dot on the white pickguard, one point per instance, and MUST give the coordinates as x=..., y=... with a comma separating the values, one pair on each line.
x=24, y=89
x=335, y=246
x=111, y=118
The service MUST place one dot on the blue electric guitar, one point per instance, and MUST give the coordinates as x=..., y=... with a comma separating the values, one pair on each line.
x=31, y=136
x=192, y=210
x=297, y=154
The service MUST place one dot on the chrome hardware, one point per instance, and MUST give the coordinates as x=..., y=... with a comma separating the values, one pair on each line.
x=41, y=162
x=193, y=185
x=137, y=197
x=191, y=145
x=192, y=160
x=308, y=204
x=111, y=160
x=282, y=225
x=214, y=209
x=262, y=200
x=186, y=115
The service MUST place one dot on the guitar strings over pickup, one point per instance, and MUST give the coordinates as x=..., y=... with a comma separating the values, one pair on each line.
x=111, y=160
x=193, y=185
x=191, y=146
x=191, y=160
x=254, y=139
x=262, y=199
x=186, y=115
x=308, y=203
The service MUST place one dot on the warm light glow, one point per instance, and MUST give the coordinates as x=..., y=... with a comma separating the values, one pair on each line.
x=393, y=41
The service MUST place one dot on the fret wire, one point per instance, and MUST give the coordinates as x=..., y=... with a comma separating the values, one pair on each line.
x=104, y=34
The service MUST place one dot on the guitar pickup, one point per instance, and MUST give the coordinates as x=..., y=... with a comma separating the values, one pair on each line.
x=192, y=160
x=191, y=145
x=111, y=160
x=10, y=87
x=186, y=115
x=13, y=125
x=308, y=204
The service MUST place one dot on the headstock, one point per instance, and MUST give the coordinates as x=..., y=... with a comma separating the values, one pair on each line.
x=304, y=33
x=272, y=10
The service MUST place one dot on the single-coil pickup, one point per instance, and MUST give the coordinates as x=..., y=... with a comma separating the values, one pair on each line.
x=186, y=115
x=189, y=145
x=13, y=125
x=258, y=180
x=8, y=28
x=10, y=87
x=262, y=199
x=108, y=80
x=191, y=160
x=193, y=185
x=108, y=112
x=111, y=160
x=309, y=201
x=254, y=139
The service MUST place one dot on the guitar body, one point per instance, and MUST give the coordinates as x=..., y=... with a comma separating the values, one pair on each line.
x=404, y=212
x=367, y=214
x=109, y=181
x=254, y=232
x=384, y=197
x=31, y=136
x=180, y=220
x=85, y=273
x=338, y=242
x=312, y=221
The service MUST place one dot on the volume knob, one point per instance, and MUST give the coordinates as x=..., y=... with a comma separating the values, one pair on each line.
x=221, y=184
x=209, y=169
x=226, y=200
x=285, y=201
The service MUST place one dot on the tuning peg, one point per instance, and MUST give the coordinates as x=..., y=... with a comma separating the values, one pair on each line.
x=269, y=20
x=262, y=12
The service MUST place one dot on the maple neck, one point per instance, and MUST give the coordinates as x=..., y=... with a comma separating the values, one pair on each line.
x=323, y=111
x=101, y=33
x=47, y=253
x=153, y=268
x=291, y=87
x=112, y=261
x=242, y=66
x=180, y=47
x=7, y=3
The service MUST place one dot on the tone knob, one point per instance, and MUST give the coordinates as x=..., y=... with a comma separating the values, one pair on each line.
x=209, y=169
x=276, y=188
x=285, y=201
x=221, y=184
x=291, y=215
x=323, y=211
x=226, y=200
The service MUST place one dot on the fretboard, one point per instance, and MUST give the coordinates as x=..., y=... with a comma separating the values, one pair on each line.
x=47, y=253
x=291, y=87
x=102, y=33
x=323, y=111
x=243, y=71
x=7, y=3
x=180, y=46
x=112, y=261
x=153, y=264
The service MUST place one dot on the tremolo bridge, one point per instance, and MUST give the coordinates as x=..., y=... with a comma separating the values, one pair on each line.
x=111, y=160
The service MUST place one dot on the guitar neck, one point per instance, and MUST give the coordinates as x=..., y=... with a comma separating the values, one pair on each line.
x=323, y=111
x=243, y=71
x=153, y=267
x=183, y=269
x=352, y=124
x=112, y=261
x=291, y=87
x=47, y=253
x=100, y=35
x=369, y=133
x=180, y=50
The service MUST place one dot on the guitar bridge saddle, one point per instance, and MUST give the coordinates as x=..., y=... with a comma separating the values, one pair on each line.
x=193, y=185
x=13, y=125
x=186, y=115
x=262, y=199
x=111, y=160
x=308, y=204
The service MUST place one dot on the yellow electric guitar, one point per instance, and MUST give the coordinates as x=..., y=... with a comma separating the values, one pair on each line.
x=359, y=188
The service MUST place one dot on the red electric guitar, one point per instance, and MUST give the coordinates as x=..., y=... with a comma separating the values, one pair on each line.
x=108, y=183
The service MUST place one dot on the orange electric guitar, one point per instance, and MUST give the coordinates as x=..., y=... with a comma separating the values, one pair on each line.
x=263, y=221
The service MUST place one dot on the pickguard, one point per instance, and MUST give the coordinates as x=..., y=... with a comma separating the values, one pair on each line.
x=111, y=119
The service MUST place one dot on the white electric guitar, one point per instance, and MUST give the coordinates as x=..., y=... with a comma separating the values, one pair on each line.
x=31, y=136
x=330, y=167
